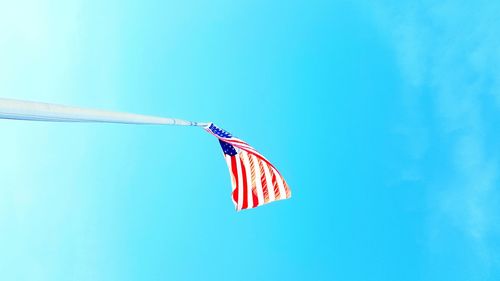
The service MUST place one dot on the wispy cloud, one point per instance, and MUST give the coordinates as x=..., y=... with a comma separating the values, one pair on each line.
x=448, y=51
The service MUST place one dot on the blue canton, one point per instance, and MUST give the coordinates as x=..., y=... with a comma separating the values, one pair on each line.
x=226, y=147
x=219, y=131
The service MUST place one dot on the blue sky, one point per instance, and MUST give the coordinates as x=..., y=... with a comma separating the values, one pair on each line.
x=382, y=117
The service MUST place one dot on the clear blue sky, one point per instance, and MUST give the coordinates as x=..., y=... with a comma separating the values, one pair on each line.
x=382, y=117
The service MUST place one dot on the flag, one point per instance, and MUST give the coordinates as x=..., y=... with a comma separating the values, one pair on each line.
x=255, y=181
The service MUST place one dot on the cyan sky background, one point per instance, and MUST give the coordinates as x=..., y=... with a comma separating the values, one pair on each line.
x=382, y=117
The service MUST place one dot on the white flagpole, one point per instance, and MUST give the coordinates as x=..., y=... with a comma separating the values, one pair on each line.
x=37, y=111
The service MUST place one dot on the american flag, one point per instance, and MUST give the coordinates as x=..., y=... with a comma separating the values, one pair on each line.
x=255, y=181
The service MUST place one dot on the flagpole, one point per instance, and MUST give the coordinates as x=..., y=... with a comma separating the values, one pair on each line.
x=37, y=111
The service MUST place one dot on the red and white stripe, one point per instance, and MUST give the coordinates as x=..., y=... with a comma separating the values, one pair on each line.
x=254, y=181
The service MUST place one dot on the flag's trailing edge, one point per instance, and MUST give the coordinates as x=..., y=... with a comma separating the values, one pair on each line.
x=255, y=181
